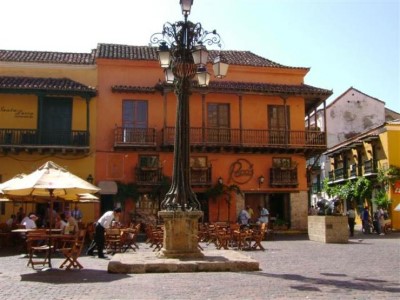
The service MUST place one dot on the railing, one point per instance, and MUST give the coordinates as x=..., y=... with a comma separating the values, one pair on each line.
x=36, y=138
x=153, y=176
x=354, y=170
x=283, y=177
x=200, y=176
x=340, y=173
x=370, y=166
x=248, y=137
x=316, y=188
x=125, y=136
x=148, y=176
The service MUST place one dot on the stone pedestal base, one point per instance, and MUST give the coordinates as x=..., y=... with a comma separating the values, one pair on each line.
x=180, y=234
x=328, y=229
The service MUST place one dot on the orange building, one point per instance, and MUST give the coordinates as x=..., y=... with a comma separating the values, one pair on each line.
x=247, y=134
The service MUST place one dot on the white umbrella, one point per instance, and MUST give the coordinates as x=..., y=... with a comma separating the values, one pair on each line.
x=49, y=180
x=16, y=178
x=397, y=208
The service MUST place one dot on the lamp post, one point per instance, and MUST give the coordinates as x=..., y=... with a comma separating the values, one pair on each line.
x=183, y=56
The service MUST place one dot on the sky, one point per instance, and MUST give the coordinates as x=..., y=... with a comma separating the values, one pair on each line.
x=345, y=43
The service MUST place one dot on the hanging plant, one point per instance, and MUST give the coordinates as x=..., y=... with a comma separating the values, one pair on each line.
x=162, y=188
x=221, y=189
x=381, y=199
x=126, y=190
x=362, y=189
x=388, y=176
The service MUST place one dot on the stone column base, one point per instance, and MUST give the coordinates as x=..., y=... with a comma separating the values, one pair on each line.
x=180, y=234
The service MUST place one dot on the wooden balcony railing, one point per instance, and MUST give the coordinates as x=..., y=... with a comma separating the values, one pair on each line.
x=32, y=138
x=131, y=137
x=283, y=177
x=154, y=176
x=354, y=170
x=370, y=167
x=148, y=176
x=200, y=176
x=248, y=137
x=340, y=173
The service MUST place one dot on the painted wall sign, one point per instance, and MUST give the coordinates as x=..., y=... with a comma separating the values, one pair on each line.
x=18, y=113
x=241, y=171
x=397, y=187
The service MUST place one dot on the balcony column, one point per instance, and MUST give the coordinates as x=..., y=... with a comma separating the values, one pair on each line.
x=87, y=114
x=326, y=134
x=241, y=119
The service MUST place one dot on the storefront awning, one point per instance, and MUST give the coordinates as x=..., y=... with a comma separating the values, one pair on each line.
x=108, y=187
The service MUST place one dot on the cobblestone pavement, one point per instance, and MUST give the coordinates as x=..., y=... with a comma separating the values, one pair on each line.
x=368, y=267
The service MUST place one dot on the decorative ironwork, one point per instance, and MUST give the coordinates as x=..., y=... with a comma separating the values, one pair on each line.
x=181, y=44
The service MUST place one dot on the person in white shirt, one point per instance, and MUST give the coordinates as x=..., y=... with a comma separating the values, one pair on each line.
x=264, y=213
x=103, y=223
x=30, y=221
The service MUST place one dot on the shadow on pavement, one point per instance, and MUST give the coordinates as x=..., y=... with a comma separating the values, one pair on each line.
x=355, y=284
x=56, y=276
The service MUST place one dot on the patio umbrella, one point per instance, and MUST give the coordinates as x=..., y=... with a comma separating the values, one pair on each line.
x=49, y=180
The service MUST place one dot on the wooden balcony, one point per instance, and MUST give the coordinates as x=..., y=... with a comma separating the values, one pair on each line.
x=148, y=176
x=134, y=137
x=370, y=167
x=275, y=141
x=283, y=177
x=200, y=176
x=340, y=173
x=38, y=140
x=367, y=169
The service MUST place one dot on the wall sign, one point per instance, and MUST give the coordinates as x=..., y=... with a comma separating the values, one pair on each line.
x=18, y=113
x=397, y=187
x=241, y=171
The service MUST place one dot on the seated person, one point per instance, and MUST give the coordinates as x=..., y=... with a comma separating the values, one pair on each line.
x=30, y=221
x=60, y=222
x=71, y=223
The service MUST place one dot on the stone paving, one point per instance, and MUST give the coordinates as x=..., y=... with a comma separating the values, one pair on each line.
x=368, y=267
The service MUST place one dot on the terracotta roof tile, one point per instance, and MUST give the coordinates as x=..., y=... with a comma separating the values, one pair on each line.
x=132, y=89
x=47, y=57
x=245, y=58
x=302, y=89
x=47, y=84
x=237, y=87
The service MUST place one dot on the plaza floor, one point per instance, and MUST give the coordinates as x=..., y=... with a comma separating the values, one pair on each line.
x=368, y=267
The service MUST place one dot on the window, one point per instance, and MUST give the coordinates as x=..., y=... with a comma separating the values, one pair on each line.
x=149, y=161
x=283, y=163
x=277, y=124
x=55, y=120
x=218, y=123
x=198, y=162
x=134, y=120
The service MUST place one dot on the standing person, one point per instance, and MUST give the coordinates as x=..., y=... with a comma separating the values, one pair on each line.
x=365, y=220
x=77, y=214
x=251, y=212
x=103, y=223
x=351, y=217
x=20, y=215
x=244, y=217
x=264, y=213
x=381, y=220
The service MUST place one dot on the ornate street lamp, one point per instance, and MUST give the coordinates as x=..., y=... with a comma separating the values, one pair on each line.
x=183, y=55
